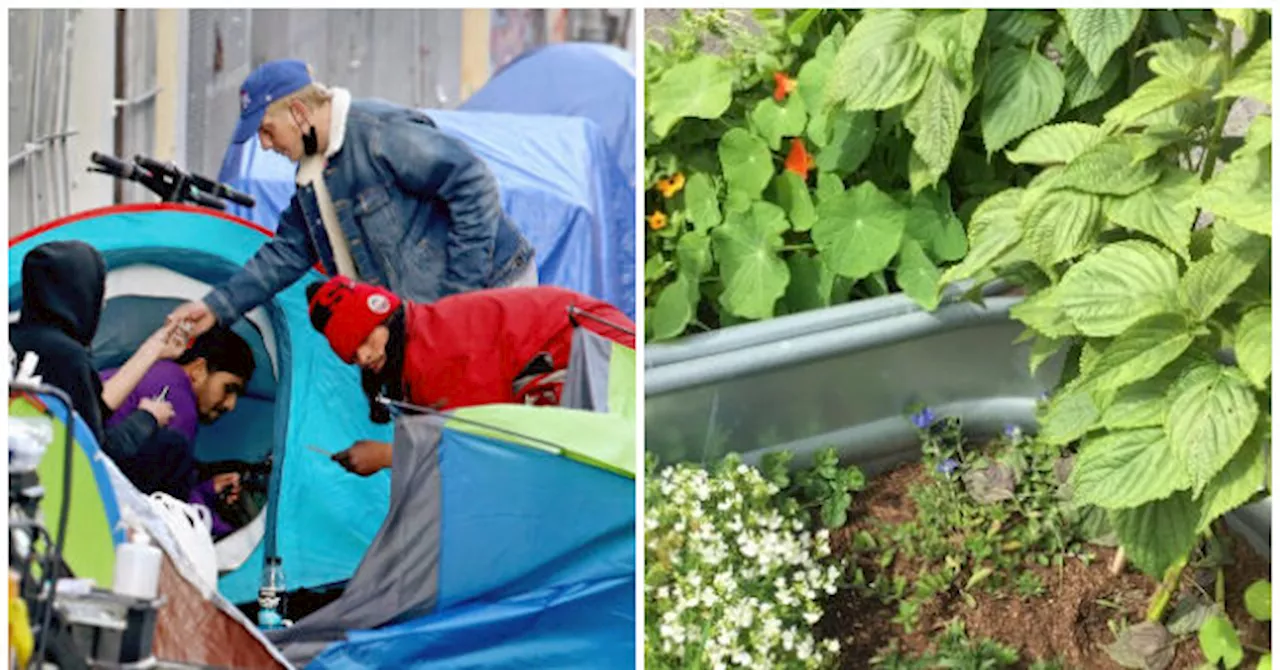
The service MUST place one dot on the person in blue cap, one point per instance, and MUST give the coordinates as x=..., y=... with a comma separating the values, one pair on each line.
x=383, y=196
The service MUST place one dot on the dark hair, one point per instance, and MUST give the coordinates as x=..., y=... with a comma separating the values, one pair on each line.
x=318, y=320
x=223, y=351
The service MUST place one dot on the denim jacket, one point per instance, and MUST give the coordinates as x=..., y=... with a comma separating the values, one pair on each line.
x=421, y=212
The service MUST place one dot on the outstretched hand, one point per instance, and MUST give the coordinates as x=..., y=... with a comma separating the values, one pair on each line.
x=197, y=314
x=167, y=342
x=365, y=457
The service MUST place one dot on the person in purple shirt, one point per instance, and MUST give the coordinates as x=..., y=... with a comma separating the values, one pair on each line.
x=202, y=385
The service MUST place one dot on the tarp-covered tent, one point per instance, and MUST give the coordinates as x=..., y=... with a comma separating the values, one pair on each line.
x=559, y=184
x=509, y=542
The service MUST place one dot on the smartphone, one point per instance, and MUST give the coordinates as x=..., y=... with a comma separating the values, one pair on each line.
x=164, y=393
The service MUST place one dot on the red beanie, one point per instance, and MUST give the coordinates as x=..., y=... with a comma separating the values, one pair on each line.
x=346, y=312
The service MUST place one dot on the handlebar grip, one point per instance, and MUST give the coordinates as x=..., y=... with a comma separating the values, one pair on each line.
x=220, y=190
x=207, y=201
x=113, y=165
x=155, y=166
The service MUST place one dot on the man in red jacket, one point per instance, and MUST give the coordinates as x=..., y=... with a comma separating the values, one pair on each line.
x=505, y=345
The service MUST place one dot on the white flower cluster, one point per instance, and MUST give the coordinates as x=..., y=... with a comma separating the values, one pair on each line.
x=732, y=581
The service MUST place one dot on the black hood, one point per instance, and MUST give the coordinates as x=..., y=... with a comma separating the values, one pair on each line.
x=62, y=286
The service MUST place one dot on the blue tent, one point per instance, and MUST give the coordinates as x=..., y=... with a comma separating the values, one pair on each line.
x=558, y=181
x=508, y=533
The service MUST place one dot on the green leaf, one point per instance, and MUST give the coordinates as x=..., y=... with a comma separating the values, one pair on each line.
x=853, y=135
x=1062, y=225
x=674, y=309
x=1253, y=79
x=860, y=231
x=793, y=196
x=700, y=88
x=701, y=202
x=1017, y=26
x=746, y=162
x=1162, y=210
x=1142, y=351
x=1257, y=600
x=1244, y=476
x=754, y=276
x=774, y=121
x=1211, y=280
x=1097, y=33
x=943, y=235
x=693, y=254
x=1264, y=662
x=1253, y=345
x=811, y=82
x=1157, y=533
x=1190, y=614
x=829, y=187
x=917, y=275
x=1057, y=143
x=934, y=119
x=1245, y=19
x=811, y=283
x=1108, y=169
x=950, y=37
x=1241, y=192
x=993, y=228
x=1211, y=412
x=1022, y=91
x=1144, y=404
x=1042, y=349
x=1190, y=61
x=1081, y=85
x=1219, y=642
x=738, y=202
x=1150, y=141
x=1071, y=413
x=879, y=66
x=1043, y=312
x=1257, y=137
x=1126, y=469
x=835, y=509
x=1120, y=284
x=1152, y=96
x=770, y=216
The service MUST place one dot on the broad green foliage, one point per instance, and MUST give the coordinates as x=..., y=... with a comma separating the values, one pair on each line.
x=908, y=147
x=1169, y=330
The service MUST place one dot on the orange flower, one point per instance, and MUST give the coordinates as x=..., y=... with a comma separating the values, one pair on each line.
x=782, y=85
x=657, y=221
x=671, y=185
x=799, y=160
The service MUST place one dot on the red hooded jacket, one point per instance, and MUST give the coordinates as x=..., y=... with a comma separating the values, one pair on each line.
x=507, y=345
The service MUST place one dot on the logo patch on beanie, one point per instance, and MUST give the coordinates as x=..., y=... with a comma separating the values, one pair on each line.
x=378, y=304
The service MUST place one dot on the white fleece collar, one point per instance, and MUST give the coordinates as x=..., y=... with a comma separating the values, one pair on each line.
x=311, y=167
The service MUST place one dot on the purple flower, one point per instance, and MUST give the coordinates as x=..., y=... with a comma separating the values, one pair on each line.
x=923, y=419
x=1012, y=432
x=948, y=466
x=1044, y=397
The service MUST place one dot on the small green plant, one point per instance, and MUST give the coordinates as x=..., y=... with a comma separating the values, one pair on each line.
x=954, y=649
x=826, y=486
x=1218, y=637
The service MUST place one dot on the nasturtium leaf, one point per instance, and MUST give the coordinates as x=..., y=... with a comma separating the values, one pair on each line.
x=1220, y=643
x=1211, y=413
x=746, y=161
x=950, y=37
x=1141, y=351
x=1059, y=143
x=1211, y=280
x=793, y=196
x=811, y=81
x=673, y=311
x=1022, y=91
x=700, y=88
x=993, y=228
x=738, y=202
x=693, y=254
x=1043, y=312
x=1113, y=288
x=852, y=136
x=829, y=187
x=810, y=285
x=1158, y=533
x=1257, y=600
x=934, y=119
x=1241, y=193
x=701, y=202
x=1097, y=33
x=1244, y=476
x=1082, y=87
x=1108, y=169
x=754, y=276
x=860, y=231
x=774, y=122
x=1063, y=224
x=1127, y=468
x=1152, y=96
x=771, y=216
x=1162, y=210
x=917, y=275
x=1253, y=79
x=879, y=66
x=1253, y=345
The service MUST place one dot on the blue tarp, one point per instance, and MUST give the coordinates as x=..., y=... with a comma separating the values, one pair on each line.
x=558, y=181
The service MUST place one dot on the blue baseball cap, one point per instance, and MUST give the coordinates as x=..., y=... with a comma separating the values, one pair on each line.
x=272, y=81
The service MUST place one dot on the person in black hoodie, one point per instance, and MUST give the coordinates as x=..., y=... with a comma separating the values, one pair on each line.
x=63, y=285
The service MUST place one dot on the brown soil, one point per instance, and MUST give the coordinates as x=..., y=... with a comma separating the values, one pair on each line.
x=1068, y=621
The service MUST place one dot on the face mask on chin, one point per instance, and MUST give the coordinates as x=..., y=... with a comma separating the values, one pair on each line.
x=310, y=143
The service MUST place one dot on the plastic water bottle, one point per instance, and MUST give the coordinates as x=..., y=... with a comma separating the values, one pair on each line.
x=137, y=572
x=270, y=595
